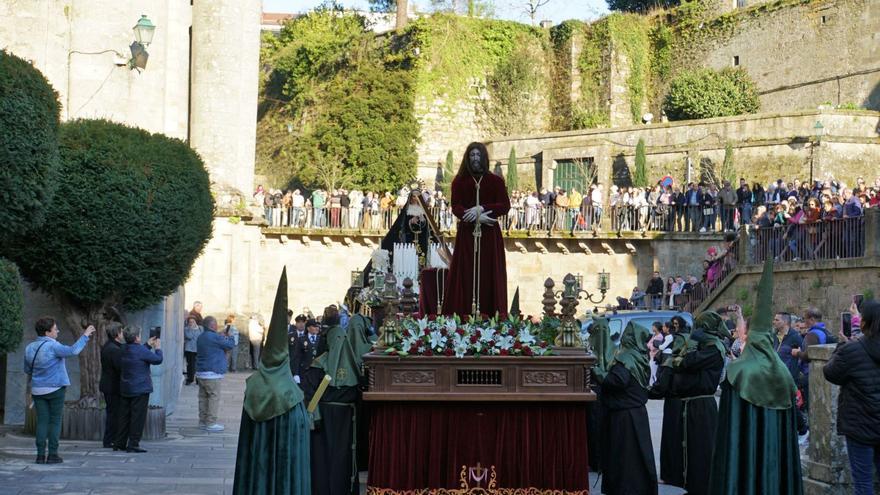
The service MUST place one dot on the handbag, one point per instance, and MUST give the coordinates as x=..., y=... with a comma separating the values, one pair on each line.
x=708, y=211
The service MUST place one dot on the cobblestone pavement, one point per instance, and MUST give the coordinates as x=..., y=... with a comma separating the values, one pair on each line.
x=189, y=461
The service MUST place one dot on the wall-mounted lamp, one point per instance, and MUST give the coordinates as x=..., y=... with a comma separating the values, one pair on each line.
x=143, y=35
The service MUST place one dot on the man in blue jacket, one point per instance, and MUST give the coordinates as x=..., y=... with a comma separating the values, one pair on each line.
x=210, y=368
x=135, y=387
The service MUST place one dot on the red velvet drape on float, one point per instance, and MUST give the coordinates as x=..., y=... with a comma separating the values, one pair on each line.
x=493, y=268
x=424, y=445
x=431, y=283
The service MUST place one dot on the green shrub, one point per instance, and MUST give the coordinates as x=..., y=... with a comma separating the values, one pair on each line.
x=707, y=93
x=512, y=172
x=11, y=302
x=29, y=112
x=640, y=175
x=132, y=213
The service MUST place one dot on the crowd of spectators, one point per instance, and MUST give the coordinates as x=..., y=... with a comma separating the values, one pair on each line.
x=697, y=207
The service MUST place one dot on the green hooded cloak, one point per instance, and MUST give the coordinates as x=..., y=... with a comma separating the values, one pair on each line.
x=714, y=329
x=759, y=376
x=343, y=362
x=273, y=441
x=271, y=391
x=602, y=346
x=633, y=352
x=756, y=441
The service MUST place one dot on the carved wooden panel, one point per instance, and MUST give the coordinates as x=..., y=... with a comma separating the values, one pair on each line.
x=545, y=378
x=413, y=377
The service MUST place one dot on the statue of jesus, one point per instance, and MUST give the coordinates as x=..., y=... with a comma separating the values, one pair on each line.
x=477, y=282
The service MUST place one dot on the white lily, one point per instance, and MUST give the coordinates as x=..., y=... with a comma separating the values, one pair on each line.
x=487, y=334
x=437, y=340
x=423, y=324
x=460, y=346
x=526, y=337
x=504, y=342
x=450, y=326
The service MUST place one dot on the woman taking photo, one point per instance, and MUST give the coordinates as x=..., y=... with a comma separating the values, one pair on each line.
x=855, y=366
x=44, y=362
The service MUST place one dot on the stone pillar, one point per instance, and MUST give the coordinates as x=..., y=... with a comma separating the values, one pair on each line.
x=872, y=232
x=224, y=87
x=827, y=466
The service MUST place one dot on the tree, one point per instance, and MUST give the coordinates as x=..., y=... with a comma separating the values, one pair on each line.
x=399, y=7
x=133, y=211
x=11, y=303
x=707, y=93
x=512, y=173
x=531, y=8
x=640, y=176
x=401, y=17
x=728, y=173
x=641, y=6
x=449, y=172
x=29, y=113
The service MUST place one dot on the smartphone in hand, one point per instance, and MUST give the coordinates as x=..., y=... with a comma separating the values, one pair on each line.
x=846, y=323
x=156, y=332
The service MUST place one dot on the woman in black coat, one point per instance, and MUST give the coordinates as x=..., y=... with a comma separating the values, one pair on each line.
x=855, y=366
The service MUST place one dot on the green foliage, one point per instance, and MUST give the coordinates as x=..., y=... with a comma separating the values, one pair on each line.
x=29, y=112
x=630, y=33
x=347, y=96
x=512, y=171
x=132, y=213
x=455, y=52
x=707, y=93
x=512, y=92
x=640, y=175
x=11, y=303
x=641, y=6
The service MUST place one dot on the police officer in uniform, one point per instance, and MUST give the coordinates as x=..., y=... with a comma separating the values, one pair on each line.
x=302, y=351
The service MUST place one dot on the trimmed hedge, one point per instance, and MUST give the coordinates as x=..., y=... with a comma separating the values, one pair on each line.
x=707, y=93
x=132, y=213
x=29, y=114
x=11, y=303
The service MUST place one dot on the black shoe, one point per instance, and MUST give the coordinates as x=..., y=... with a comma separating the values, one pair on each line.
x=54, y=459
x=136, y=450
x=41, y=459
x=117, y=448
x=108, y=445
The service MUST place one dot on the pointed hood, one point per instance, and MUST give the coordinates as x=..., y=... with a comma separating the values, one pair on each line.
x=759, y=376
x=343, y=362
x=271, y=391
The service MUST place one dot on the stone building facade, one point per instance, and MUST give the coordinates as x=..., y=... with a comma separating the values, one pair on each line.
x=199, y=85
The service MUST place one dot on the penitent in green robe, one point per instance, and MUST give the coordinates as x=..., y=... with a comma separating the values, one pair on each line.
x=273, y=441
x=273, y=455
x=762, y=457
x=756, y=443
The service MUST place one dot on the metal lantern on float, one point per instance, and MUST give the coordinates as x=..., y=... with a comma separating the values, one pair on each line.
x=570, y=288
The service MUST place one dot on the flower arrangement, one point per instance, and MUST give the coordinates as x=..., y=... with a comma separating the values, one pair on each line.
x=450, y=336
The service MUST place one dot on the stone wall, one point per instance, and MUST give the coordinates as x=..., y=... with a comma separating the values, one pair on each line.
x=77, y=44
x=826, y=285
x=239, y=270
x=804, y=54
x=167, y=377
x=83, y=49
x=766, y=146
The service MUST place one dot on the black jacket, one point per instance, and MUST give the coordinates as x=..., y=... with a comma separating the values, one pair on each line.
x=111, y=354
x=655, y=286
x=855, y=366
x=302, y=352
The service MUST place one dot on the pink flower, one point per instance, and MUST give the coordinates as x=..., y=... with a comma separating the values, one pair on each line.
x=460, y=331
x=504, y=352
x=491, y=343
x=517, y=345
x=449, y=352
x=473, y=339
x=527, y=351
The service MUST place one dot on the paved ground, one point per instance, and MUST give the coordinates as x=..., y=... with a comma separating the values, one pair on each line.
x=189, y=461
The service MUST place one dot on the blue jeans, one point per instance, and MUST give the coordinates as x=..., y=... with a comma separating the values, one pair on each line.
x=863, y=460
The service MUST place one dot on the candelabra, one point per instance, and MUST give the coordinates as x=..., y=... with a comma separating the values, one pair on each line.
x=569, y=330
x=391, y=301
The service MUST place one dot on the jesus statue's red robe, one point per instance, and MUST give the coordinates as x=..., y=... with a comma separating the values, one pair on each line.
x=492, y=267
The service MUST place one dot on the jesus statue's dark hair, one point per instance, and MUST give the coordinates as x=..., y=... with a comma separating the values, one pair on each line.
x=484, y=159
